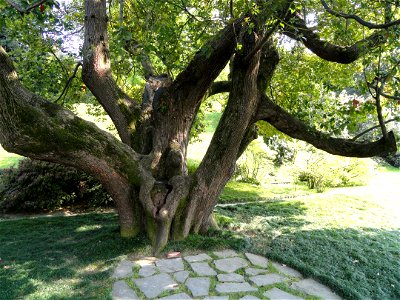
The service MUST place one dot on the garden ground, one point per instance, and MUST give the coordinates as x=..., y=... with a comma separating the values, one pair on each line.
x=348, y=239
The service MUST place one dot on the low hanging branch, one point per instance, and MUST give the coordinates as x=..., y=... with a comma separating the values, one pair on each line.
x=358, y=19
x=293, y=127
x=22, y=10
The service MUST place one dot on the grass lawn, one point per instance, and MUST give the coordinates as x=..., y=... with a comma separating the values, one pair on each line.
x=8, y=160
x=60, y=257
x=73, y=257
x=351, y=243
x=348, y=239
x=244, y=192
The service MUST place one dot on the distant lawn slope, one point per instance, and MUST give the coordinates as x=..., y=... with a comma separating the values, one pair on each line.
x=244, y=192
x=7, y=159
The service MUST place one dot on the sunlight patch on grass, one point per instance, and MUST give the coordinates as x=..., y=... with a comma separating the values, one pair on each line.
x=244, y=192
x=87, y=228
x=7, y=159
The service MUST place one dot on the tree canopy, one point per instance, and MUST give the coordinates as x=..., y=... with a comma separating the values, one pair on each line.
x=313, y=70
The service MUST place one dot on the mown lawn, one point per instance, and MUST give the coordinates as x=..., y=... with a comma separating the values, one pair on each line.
x=348, y=240
x=73, y=257
x=243, y=192
x=351, y=243
x=8, y=160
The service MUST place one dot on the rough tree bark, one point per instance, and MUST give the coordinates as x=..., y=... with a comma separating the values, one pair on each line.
x=145, y=172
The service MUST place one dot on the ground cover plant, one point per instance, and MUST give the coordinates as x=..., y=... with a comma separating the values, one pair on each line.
x=347, y=238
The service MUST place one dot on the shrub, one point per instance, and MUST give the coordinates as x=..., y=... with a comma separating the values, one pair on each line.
x=39, y=186
x=252, y=165
x=393, y=160
x=322, y=170
x=284, y=151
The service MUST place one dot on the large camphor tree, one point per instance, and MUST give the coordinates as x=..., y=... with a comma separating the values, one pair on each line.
x=145, y=168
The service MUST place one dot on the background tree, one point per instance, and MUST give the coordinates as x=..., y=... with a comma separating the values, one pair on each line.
x=182, y=47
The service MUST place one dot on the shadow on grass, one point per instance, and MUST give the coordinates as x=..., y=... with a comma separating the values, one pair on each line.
x=74, y=257
x=61, y=257
x=359, y=263
x=279, y=212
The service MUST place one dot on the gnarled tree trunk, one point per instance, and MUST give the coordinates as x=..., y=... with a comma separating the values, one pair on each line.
x=145, y=171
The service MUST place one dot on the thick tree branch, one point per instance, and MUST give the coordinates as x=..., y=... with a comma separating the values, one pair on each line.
x=298, y=30
x=294, y=128
x=358, y=19
x=39, y=129
x=193, y=82
x=219, y=87
x=34, y=127
x=97, y=73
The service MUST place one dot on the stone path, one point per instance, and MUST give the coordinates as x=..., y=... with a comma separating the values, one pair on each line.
x=219, y=275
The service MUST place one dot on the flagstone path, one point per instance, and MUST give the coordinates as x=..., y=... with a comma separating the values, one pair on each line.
x=219, y=275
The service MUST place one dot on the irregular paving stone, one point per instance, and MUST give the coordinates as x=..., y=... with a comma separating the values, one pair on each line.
x=312, y=287
x=147, y=271
x=249, y=297
x=225, y=253
x=234, y=287
x=146, y=261
x=217, y=298
x=170, y=265
x=277, y=294
x=123, y=270
x=122, y=291
x=203, y=269
x=181, y=276
x=286, y=270
x=232, y=277
x=181, y=296
x=257, y=260
x=154, y=285
x=230, y=265
x=196, y=258
x=262, y=280
x=199, y=286
x=253, y=271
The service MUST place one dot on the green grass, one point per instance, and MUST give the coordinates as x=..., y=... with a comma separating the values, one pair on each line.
x=7, y=159
x=8, y=162
x=61, y=257
x=73, y=257
x=245, y=192
x=197, y=149
x=350, y=243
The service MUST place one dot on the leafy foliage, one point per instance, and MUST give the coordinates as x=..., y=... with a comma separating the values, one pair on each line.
x=253, y=164
x=38, y=186
x=322, y=170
